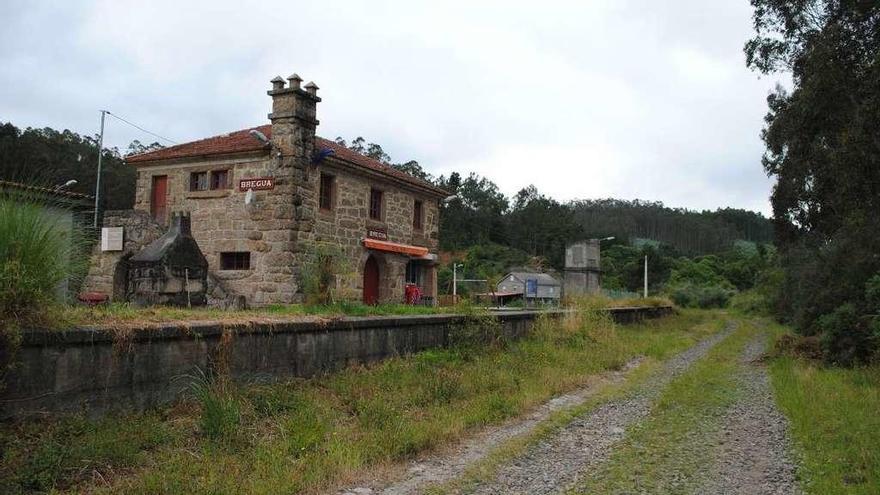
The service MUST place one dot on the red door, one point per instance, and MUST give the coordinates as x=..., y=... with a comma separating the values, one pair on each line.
x=159, y=198
x=371, y=281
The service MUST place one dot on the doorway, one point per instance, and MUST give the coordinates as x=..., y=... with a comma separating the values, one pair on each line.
x=159, y=198
x=371, y=281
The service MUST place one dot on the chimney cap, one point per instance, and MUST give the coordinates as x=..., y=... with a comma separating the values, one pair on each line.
x=277, y=83
x=295, y=80
x=312, y=88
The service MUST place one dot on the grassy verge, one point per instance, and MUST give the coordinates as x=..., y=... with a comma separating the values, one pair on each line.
x=308, y=435
x=663, y=453
x=125, y=314
x=834, y=417
x=122, y=314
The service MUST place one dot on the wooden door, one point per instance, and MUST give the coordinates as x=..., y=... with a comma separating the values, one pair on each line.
x=371, y=281
x=159, y=198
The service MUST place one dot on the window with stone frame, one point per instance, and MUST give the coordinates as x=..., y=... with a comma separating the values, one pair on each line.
x=325, y=192
x=236, y=260
x=417, y=215
x=220, y=179
x=375, y=204
x=198, y=181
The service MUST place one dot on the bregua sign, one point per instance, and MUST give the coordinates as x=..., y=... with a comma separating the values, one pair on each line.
x=257, y=184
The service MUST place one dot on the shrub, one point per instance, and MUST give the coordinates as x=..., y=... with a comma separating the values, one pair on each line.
x=690, y=295
x=750, y=302
x=322, y=265
x=845, y=339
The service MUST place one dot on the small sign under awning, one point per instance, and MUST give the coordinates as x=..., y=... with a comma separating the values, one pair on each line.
x=393, y=247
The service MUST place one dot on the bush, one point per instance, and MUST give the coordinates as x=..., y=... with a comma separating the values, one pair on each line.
x=750, y=302
x=319, y=273
x=690, y=295
x=845, y=339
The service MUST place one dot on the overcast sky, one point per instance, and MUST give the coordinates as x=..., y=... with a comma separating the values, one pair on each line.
x=625, y=99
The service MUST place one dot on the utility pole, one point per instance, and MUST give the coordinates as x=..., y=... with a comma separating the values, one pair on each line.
x=454, y=282
x=100, y=155
x=646, y=276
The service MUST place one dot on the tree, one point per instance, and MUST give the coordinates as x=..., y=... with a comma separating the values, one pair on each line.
x=46, y=157
x=823, y=149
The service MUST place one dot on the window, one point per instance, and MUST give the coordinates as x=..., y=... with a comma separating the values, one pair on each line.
x=220, y=179
x=198, y=181
x=417, y=215
x=235, y=261
x=414, y=273
x=326, y=192
x=375, y=204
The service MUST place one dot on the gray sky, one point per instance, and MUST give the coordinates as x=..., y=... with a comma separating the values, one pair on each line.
x=626, y=99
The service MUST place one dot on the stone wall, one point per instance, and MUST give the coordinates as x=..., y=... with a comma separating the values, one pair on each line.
x=346, y=223
x=93, y=369
x=222, y=222
x=139, y=229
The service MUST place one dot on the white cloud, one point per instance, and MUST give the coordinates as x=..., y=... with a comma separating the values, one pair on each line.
x=584, y=99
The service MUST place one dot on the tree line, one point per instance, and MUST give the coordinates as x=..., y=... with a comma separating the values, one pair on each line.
x=823, y=149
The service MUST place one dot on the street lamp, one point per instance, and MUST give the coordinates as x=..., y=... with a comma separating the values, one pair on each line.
x=65, y=185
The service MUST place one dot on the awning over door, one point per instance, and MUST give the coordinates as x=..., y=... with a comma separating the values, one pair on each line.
x=393, y=247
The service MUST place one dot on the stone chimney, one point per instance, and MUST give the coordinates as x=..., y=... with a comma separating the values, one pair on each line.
x=293, y=119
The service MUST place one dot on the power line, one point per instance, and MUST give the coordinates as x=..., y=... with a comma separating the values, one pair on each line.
x=140, y=128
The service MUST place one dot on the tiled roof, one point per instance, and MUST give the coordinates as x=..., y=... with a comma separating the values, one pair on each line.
x=243, y=141
x=234, y=142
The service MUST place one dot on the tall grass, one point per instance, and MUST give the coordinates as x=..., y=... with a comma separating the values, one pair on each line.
x=38, y=252
x=220, y=409
x=835, y=424
x=309, y=435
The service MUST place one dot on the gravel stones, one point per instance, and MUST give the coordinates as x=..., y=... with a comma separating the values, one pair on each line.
x=555, y=463
x=753, y=456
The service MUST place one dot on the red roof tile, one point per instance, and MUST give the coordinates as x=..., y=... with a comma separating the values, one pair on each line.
x=242, y=141
x=233, y=142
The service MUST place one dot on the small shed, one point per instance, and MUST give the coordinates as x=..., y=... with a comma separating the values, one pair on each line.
x=170, y=270
x=534, y=287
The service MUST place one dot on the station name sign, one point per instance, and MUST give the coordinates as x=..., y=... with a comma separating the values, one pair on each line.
x=378, y=234
x=257, y=184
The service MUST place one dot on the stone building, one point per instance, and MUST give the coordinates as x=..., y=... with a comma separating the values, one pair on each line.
x=582, y=268
x=264, y=200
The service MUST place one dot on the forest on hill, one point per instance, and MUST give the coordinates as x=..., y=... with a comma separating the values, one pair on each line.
x=480, y=213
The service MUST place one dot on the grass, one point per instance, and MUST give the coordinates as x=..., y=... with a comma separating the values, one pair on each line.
x=664, y=452
x=311, y=435
x=126, y=314
x=834, y=416
x=123, y=314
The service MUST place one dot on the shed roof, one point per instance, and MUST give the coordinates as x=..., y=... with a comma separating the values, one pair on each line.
x=45, y=193
x=543, y=278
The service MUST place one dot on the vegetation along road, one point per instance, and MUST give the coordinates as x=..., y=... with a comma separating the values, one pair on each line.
x=698, y=402
x=704, y=421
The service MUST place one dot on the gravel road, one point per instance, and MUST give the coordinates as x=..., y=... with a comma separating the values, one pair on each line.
x=440, y=467
x=753, y=456
x=553, y=464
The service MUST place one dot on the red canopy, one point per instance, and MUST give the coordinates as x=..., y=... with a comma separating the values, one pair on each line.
x=393, y=247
